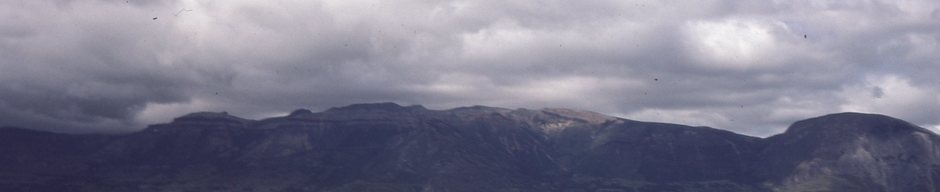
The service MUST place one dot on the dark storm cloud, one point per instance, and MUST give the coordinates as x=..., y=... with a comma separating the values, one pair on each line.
x=749, y=67
x=84, y=65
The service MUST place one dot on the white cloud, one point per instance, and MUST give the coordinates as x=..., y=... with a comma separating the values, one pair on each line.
x=733, y=43
x=898, y=97
x=165, y=112
x=934, y=128
x=108, y=63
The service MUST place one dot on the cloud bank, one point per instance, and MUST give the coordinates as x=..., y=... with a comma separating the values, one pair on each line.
x=112, y=66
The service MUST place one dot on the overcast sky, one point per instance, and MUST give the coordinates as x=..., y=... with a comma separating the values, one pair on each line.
x=752, y=67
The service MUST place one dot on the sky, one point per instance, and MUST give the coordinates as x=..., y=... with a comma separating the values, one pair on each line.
x=752, y=67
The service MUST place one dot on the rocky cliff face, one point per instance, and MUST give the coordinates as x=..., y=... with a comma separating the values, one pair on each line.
x=387, y=147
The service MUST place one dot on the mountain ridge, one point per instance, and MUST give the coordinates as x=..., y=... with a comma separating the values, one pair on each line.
x=389, y=147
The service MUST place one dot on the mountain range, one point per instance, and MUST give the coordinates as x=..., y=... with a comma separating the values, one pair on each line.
x=389, y=147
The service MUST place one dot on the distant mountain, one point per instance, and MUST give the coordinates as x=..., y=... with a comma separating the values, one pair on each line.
x=388, y=147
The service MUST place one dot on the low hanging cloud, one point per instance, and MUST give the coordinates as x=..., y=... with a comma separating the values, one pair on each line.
x=115, y=66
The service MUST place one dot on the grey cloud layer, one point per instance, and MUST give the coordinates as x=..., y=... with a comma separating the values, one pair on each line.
x=88, y=65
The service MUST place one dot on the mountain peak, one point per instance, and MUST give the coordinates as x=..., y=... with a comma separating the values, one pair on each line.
x=300, y=112
x=852, y=152
x=376, y=107
x=210, y=116
x=853, y=122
